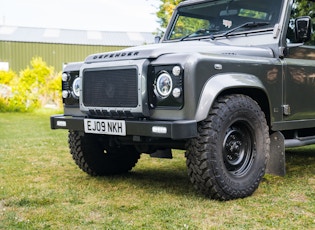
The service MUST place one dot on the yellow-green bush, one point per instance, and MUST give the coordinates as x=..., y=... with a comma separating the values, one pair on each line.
x=34, y=87
x=6, y=77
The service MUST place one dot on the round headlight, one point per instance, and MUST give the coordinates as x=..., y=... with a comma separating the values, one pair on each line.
x=164, y=84
x=76, y=87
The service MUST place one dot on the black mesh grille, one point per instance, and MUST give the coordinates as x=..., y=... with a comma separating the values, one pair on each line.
x=110, y=88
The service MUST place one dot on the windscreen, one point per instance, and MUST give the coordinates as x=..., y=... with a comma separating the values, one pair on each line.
x=213, y=18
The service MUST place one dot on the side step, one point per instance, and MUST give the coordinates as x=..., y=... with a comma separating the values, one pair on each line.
x=299, y=141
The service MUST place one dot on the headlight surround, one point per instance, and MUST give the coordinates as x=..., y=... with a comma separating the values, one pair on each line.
x=69, y=97
x=76, y=86
x=164, y=84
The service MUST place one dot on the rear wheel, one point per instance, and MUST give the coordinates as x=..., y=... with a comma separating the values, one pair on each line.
x=99, y=157
x=228, y=158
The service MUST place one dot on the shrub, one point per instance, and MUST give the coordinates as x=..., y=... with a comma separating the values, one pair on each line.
x=35, y=87
x=6, y=77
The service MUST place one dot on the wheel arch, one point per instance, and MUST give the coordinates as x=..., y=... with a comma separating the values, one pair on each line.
x=233, y=83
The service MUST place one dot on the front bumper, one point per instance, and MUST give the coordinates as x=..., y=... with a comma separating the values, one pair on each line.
x=174, y=129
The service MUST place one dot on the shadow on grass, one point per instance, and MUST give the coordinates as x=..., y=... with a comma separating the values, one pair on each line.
x=173, y=179
x=157, y=180
x=301, y=161
x=165, y=179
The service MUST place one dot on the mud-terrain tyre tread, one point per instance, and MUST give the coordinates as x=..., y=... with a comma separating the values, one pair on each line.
x=207, y=169
x=98, y=159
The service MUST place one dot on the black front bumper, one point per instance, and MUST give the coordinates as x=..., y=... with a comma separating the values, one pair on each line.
x=175, y=129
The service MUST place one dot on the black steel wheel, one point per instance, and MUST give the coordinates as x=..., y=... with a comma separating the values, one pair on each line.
x=228, y=158
x=238, y=149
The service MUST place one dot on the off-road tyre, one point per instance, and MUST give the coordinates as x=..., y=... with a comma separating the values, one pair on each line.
x=227, y=160
x=98, y=157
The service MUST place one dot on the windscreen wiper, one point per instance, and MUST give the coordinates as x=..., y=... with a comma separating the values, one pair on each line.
x=201, y=32
x=245, y=25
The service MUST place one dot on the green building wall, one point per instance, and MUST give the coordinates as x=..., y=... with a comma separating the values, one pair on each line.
x=19, y=54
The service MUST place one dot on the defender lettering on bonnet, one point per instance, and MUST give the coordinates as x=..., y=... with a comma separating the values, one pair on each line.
x=230, y=82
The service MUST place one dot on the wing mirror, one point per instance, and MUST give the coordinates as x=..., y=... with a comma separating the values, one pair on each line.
x=303, y=28
x=157, y=39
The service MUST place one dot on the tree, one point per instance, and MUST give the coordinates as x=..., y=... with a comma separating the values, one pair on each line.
x=166, y=10
x=304, y=7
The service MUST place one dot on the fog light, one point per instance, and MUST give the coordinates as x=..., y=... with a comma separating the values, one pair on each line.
x=159, y=129
x=61, y=123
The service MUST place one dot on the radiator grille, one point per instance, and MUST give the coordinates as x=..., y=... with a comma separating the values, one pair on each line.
x=110, y=88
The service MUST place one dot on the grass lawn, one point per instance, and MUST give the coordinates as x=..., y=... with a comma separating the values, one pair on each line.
x=42, y=188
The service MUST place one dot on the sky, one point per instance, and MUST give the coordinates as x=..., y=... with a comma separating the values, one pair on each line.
x=102, y=15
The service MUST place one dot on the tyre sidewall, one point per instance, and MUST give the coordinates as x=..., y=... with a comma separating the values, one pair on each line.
x=251, y=115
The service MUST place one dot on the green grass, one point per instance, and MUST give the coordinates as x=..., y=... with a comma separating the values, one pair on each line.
x=42, y=188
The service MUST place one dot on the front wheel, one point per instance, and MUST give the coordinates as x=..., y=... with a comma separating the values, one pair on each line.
x=227, y=160
x=98, y=156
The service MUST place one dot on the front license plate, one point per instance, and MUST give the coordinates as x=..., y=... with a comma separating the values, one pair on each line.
x=108, y=127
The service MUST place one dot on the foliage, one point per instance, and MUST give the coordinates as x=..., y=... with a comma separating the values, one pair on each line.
x=185, y=26
x=304, y=7
x=6, y=77
x=33, y=88
x=166, y=10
